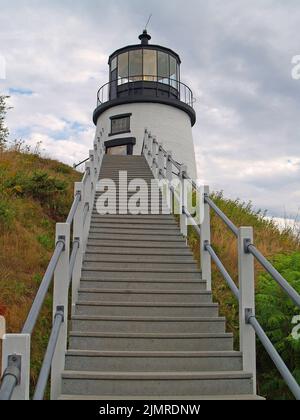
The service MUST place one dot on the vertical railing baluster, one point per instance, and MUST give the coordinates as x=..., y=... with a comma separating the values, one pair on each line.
x=183, y=218
x=205, y=239
x=247, y=302
x=18, y=346
x=78, y=236
x=169, y=177
x=60, y=303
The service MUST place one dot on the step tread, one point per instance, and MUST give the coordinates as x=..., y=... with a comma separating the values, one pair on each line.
x=149, y=305
x=150, y=335
x=169, y=354
x=240, y=397
x=146, y=318
x=157, y=375
x=146, y=292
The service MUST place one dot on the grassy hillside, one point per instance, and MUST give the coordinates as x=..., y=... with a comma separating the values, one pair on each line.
x=35, y=193
x=274, y=310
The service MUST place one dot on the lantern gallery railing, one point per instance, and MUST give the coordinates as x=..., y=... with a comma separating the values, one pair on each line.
x=146, y=86
x=162, y=165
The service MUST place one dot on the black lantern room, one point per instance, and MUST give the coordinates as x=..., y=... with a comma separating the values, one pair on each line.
x=145, y=73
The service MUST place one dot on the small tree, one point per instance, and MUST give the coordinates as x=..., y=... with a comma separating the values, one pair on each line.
x=4, y=133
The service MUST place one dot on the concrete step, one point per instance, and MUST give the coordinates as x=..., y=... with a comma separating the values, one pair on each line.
x=139, y=275
x=158, y=284
x=148, y=324
x=133, y=258
x=152, y=296
x=136, y=243
x=138, y=252
x=128, y=226
x=128, y=218
x=147, y=309
x=163, y=383
x=239, y=397
x=150, y=342
x=130, y=232
x=186, y=267
x=140, y=267
x=95, y=361
x=144, y=237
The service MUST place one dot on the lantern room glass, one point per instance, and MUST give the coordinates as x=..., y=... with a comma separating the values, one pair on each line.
x=145, y=64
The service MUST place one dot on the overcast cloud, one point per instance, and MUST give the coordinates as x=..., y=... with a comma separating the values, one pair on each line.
x=236, y=58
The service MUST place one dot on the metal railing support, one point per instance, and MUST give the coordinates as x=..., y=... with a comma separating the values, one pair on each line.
x=154, y=157
x=15, y=367
x=205, y=239
x=169, y=178
x=88, y=198
x=247, y=302
x=161, y=162
x=60, y=301
x=183, y=217
x=150, y=149
x=78, y=235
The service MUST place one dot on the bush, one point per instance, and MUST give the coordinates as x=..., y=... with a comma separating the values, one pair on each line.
x=6, y=213
x=275, y=311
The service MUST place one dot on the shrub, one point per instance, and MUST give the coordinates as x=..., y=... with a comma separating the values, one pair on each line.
x=6, y=213
x=275, y=311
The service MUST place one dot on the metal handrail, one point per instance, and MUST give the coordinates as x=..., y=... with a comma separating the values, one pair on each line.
x=74, y=208
x=81, y=163
x=274, y=355
x=76, y=245
x=249, y=248
x=183, y=91
x=46, y=366
x=288, y=289
x=233, y=287
x=10, y=380
x=43, y=289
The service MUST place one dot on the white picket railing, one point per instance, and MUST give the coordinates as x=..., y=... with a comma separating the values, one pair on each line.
x=65, y=269
x=162, y=165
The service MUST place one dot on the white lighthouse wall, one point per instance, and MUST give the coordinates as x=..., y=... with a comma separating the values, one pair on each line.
x=170, y=125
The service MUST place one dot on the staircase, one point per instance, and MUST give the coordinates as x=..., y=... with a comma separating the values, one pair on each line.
x=145, y=326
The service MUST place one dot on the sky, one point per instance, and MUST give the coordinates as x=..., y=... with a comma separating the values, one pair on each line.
x=236, y=57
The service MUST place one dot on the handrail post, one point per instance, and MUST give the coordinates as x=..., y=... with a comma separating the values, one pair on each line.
x=161, y=162
x=60, y=302
x=169, y=177
x=87, y=201
x=247, y=302
x=145, y=149
x=183, y=217
x=78, y=235
x=205, y=239
x=18, y=346
x=93, y=169
x=154, y=157
x=150, y=149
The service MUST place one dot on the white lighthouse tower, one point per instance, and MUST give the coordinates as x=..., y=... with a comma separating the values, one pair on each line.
x=145, y=90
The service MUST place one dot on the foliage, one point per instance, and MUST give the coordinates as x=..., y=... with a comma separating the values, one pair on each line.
x=276, y=311
x=3, y=129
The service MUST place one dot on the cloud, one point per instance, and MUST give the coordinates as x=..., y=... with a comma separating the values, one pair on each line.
x=236, y=58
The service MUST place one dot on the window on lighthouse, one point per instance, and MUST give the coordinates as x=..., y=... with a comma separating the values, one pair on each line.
x=135, y=65
x=123, y=68
x=163, y=67
x=150, y=65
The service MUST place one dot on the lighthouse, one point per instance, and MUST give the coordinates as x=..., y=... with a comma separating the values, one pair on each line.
x=145, y=91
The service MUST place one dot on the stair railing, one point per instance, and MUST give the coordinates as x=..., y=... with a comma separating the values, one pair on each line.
x=162, y=165
x=64, y=270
